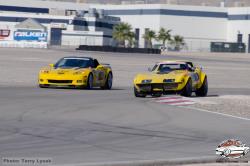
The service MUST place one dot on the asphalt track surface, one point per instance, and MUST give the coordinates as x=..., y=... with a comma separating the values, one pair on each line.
x=93, y=126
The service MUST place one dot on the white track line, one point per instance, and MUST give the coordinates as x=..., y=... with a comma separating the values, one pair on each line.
x=187, y=102
x=218, y=113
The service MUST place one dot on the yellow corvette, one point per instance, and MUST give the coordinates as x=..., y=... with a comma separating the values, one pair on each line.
x=78, y=72
x=167, y=77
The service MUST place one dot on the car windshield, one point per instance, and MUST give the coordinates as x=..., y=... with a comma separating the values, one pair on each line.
x=73, y=62
x=170, y=67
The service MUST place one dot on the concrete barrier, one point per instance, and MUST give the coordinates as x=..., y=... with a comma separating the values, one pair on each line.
x=119, y=49
x=23, y=44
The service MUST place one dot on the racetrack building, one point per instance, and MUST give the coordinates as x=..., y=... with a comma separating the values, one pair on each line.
x=58, y=26
x=74, y=24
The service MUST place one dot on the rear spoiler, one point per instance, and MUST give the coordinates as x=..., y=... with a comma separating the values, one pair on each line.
x=106, y=65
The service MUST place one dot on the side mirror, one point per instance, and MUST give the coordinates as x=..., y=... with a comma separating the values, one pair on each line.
x=149, y=69
x=51, y=65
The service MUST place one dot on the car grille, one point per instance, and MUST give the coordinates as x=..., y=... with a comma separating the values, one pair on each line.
x=60, y=81
x=145, y=87
x=170, y=86
x=164, y=86
x=157, y=86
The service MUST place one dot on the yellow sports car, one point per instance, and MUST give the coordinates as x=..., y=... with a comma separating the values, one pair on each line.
x=167, y=77
x=78, y=72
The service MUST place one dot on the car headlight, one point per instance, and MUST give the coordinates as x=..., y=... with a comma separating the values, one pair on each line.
x=146, y=81
x=44, y=71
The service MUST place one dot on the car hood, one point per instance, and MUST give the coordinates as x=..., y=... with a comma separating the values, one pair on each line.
x=160, y=76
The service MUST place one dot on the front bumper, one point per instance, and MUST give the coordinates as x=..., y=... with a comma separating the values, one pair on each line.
x=62, y=81
x=159, y=87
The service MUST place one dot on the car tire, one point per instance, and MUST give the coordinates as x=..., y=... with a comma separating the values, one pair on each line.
x=138, y=94
x=90, y=81
x=187, y=90
x=108, y=82
x=202, y=92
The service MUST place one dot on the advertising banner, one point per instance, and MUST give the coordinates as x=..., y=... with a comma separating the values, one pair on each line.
x=4, y=34
x=30, y=35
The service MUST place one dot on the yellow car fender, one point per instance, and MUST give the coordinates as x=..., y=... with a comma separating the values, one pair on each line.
x=186, y=77
x=107, y=71
x=87, y=73
x=202, y=77
x=135, y=81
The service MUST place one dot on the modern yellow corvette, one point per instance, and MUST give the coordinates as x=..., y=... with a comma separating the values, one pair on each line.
x=78, y=72
x=167, y=77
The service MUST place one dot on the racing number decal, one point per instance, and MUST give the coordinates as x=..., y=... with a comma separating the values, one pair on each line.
x=101, y=76
x=96, y=75
x=194, y=77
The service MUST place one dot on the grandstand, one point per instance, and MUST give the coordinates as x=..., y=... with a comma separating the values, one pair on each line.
x=226, y=3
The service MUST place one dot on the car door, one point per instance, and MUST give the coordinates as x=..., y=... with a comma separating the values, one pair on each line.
x=194, y=75
x=98, y=73
x=101, y=74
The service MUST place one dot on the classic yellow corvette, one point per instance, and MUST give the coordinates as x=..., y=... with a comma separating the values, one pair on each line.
x=78, y=72
x=167, y=77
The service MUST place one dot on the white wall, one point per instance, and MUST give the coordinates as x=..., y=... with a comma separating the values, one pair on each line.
x=143, y=22
x=75, y=38
x=238, y=26
x=138, y=21
x=197, y=31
